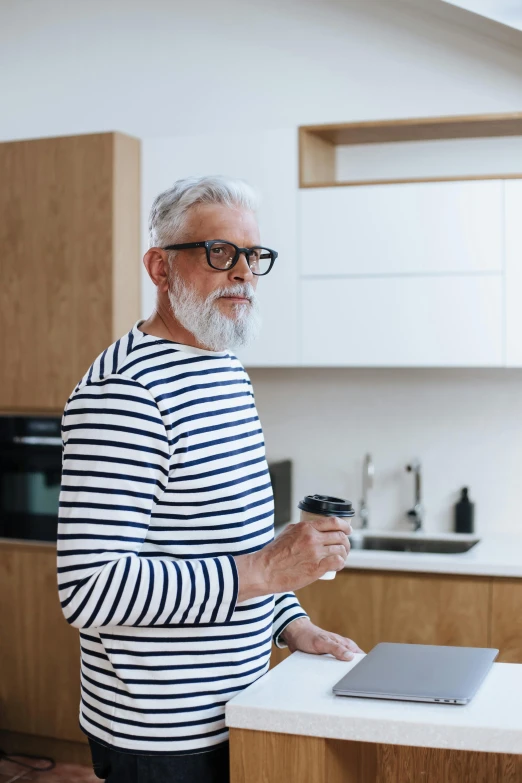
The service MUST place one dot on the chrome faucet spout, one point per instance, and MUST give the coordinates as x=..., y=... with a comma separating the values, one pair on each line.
x=416, y=514
x=367, y=484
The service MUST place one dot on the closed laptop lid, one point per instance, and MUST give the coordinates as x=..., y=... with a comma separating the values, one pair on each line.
x=418, y=672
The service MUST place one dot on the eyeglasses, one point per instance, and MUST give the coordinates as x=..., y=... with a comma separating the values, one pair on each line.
x=223, y=255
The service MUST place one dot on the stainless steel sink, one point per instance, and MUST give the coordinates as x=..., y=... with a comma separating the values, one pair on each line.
x=410, y=544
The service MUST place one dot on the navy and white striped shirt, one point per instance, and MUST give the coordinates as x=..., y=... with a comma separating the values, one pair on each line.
x=164, y=480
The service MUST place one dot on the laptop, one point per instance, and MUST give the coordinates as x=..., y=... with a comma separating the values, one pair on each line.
x=418, y=672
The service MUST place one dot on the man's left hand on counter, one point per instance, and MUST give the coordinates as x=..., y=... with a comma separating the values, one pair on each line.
x=303, y=635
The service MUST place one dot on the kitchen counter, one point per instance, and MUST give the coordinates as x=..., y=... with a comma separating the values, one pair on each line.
x=296, y=698
x=494, y=555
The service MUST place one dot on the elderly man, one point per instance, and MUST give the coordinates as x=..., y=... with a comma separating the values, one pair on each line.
x=167, y=561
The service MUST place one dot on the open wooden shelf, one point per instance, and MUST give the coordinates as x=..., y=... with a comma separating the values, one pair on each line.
x=318, y=144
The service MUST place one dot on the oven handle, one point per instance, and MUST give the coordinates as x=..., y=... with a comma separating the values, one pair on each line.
x=34, y=440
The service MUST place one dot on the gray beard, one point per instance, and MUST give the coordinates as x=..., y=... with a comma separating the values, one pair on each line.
x=203, y=319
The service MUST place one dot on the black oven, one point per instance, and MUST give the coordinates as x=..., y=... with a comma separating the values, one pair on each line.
x=30, y=474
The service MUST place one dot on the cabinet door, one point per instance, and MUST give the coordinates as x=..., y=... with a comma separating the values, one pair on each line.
x=69, y=255
x=267, y=160
x=372, y=606
x=453, y=321
x=513, y=244
x=39, y=651
x=420, y=228
x=506, y=629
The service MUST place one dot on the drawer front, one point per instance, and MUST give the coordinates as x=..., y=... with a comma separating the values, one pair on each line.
x=454, y=321
x=425, y=228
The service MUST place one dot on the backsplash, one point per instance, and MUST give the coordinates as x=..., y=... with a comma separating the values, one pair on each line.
x=464, y=425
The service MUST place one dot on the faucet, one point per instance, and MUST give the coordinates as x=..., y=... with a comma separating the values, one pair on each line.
x=416, y=514
x=367, y=484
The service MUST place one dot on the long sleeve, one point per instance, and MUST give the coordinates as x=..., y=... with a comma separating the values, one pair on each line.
x=287, y=609
x=116, y=463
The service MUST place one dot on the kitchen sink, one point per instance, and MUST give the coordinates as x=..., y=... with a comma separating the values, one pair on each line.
x=438, y=546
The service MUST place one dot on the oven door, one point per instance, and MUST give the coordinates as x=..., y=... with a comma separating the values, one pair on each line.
x=30, y=476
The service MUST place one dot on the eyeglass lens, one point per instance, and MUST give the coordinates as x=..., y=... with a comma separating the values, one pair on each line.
x=222, y=256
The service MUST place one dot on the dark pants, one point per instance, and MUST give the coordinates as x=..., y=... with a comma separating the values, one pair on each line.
x=113, y=766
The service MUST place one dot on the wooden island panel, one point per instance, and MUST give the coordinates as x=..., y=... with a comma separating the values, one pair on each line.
x=263, y=757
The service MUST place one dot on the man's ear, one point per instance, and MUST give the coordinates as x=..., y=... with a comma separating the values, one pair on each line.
x=156, y=263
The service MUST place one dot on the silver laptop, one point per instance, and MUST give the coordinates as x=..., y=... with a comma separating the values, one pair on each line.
x=418, y=672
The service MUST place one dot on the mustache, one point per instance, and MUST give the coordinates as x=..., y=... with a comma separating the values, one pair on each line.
x=245, y=290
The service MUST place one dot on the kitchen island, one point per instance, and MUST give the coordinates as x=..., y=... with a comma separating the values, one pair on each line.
x=288, y=726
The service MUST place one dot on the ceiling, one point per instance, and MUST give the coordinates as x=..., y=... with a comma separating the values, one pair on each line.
x=507, y=12
x=457, y=14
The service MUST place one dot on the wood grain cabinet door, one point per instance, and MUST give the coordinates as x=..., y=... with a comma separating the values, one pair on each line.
x=69, y=261
x=39, y=651
x=506, y=619
x=376, y=606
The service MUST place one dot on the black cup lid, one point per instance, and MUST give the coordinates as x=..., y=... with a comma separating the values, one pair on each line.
x=327, y=506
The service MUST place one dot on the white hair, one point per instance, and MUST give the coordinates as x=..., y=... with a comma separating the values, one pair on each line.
x=169, y=210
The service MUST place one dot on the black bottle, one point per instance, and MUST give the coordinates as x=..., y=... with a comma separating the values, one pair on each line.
x=464, y=513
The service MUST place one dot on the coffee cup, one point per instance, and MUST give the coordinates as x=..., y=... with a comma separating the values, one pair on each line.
x=315, y=506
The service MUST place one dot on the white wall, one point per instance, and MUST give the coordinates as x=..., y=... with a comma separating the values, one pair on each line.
x=447, y=158
x=464, y=425
x=167, y=67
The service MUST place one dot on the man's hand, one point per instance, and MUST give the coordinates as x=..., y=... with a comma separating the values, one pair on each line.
x=298, y=556
x=307, y=637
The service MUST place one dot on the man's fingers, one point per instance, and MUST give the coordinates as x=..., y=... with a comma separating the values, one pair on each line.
x=333, y=537
x=336, y=549
x=332, y=563
x=325, y=524
x=327, y=644
x=349, y=643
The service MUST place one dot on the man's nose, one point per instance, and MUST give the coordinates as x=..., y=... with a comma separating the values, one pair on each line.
x=241, y=271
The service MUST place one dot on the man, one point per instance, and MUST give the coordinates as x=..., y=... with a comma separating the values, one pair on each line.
x=167, y=561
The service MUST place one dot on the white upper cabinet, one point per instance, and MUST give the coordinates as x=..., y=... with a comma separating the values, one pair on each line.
x=268, y=161
x=407, y=229
x=513, y=244
x=439, y=321
x=424, y=274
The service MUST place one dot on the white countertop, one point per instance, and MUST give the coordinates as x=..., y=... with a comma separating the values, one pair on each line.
x=296, y=698
x=495, y=555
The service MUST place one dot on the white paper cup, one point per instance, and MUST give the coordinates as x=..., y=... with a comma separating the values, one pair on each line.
x=325, y=506
x=306, y=517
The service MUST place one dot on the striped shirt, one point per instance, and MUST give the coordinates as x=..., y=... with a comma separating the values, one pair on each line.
x=164, y=481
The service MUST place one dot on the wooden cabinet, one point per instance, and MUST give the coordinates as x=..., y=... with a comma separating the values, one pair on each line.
x=506, y=623
x=69, y=261
x=427, y=228
x=380, y=606
x=39, y=651
x=410, y=321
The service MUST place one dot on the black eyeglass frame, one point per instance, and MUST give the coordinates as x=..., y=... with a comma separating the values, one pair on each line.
x=207, y=244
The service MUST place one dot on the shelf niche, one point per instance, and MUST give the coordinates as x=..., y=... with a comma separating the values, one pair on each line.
x=431, y=149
